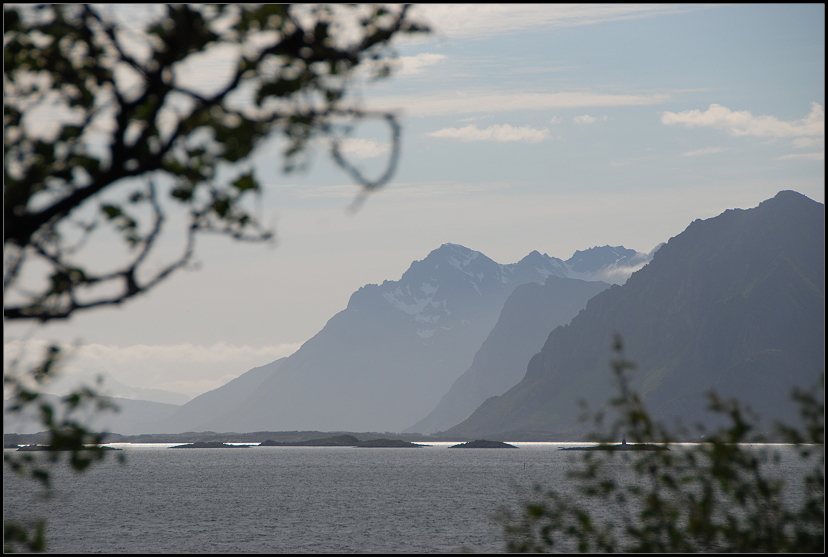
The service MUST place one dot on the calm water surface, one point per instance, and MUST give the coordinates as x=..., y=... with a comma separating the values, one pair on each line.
x=290, y=499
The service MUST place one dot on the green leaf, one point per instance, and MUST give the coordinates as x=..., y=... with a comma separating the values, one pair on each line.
x=111, y=211
x=246, y=182
x=221, y=207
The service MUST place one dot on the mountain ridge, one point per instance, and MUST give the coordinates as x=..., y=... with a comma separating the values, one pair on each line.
x=743, y=291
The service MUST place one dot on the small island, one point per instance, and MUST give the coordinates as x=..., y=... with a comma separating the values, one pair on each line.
x=342, y=441
x=622, y=447
x=209, y=445
x=334, y=441
x=483, y=444
x=389, y=443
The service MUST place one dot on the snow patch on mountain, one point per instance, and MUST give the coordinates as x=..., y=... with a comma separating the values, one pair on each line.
x=416, y=293
x=461, y=264
x=410, y=304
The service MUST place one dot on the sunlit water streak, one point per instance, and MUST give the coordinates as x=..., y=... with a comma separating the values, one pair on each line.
x=295, y=499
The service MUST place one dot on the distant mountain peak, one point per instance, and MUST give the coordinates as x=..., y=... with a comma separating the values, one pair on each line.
x=454, y=254
x=592, y=259
x=535, y=255
x=453, y=246
x=449, y=249
x=788, y=194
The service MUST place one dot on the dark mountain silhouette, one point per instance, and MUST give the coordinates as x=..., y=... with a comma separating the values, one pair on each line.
x=735, y=303
x=526, y=319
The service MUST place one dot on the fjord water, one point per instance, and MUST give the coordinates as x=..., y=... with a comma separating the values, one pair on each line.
x=297, y=499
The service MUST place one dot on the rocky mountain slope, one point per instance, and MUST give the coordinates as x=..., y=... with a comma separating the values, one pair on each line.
x=735, y=303
x=527, y=317
x=208, y=408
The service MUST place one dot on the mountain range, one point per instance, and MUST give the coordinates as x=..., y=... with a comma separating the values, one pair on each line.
x=384, y=362
x=735, y=303
x=465, y=347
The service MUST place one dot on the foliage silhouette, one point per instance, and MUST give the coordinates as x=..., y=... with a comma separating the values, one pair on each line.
x=98, y=119
x=713, y=496
x=124, y=120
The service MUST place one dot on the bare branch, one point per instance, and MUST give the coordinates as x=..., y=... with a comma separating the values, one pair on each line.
x=299, y=83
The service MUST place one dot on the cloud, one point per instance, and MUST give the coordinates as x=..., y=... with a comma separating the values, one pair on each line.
x=803, y=157
x=338, y=191
x=363, y=148
x=705, y=151
x=184, y=368
x=587, y=119
x=409, y=65
x=477, y=118
x=744, y=123
x=443, y=190
x=397, y=190
x=618, y=274
x=476, y=101
x=501, y=133
x=806, y=142
x=485, y=20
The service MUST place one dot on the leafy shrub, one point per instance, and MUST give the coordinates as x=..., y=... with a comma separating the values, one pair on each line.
x=718, y=495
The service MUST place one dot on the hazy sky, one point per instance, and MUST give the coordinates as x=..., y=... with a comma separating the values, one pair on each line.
x=549, y=128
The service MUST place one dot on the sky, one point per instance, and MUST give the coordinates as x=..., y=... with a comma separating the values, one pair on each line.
x=524, y=127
